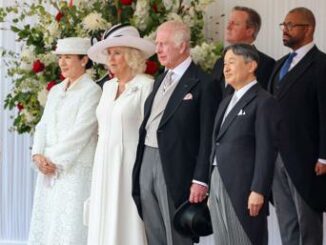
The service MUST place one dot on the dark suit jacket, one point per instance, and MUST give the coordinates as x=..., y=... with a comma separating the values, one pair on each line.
x=184, y=134
x=245, y=148
x=264, y=70
x=302, y=96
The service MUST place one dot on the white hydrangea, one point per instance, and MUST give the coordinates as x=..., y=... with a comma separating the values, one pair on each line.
x=94, y=22
x=171, y=5
x=27, y=55
x=141, y=14
x=85, y=4
x=28, y=116
x=188, y=20
x=204, y=55
x=28, y=85
x=92, y=73
x=26, y=66
x=48, y=58
x=191, y=12
x=53, y=29
x=42, y=96
x=174, y=16
x=151, y=37
x=51, y=34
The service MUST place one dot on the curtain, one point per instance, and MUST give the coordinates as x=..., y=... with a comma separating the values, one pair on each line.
x=16, y=174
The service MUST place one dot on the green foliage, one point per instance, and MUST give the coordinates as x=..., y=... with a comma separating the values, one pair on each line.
x=39, y=25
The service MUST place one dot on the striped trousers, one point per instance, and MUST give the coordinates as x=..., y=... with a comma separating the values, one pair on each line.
x=227, y=229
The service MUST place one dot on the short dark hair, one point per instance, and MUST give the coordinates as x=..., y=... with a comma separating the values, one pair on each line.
x=89, y=64
x=254, y=19
x=307, y=15
x=247, y=51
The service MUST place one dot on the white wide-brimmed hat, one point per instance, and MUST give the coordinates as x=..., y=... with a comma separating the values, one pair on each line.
x=120, y=36
x=73, y=45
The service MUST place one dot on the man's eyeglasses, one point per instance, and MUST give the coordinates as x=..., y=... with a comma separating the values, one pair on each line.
x=289, y=26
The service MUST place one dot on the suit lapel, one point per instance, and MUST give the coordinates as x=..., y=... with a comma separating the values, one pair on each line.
x=277, y=67
x=185, y=84
x=293, y=75
x=246, y=98
x=219, y=115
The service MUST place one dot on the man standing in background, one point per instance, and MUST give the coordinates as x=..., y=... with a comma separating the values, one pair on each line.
x=243, y=26
x=299, y=84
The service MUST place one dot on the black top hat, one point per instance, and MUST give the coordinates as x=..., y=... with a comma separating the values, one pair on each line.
x=193, y=219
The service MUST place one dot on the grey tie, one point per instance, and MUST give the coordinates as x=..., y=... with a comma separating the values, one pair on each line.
x=167, y=81
x=232, y=103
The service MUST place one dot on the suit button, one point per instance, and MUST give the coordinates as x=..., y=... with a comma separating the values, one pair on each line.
x=217, y=143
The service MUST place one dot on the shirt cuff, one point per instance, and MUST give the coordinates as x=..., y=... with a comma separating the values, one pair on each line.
x=199, y=183
x=323, y=161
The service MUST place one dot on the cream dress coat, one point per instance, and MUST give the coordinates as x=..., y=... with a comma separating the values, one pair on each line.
x=66, y=135
x=113, y=217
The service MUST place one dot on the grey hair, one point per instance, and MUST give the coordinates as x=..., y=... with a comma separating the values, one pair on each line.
x=179, y=30
x=254, y=19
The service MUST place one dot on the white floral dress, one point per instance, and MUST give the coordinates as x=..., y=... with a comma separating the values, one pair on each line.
x=67, y=135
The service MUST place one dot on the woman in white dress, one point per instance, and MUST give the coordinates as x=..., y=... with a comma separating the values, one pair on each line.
x=113, y=217
x=63, y=150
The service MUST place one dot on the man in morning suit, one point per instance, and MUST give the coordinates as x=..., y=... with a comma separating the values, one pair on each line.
x=299, y=84
x=243, y=27
x=172, y=161
x=244, y=149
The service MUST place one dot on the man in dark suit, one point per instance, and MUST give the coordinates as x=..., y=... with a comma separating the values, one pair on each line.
x=243, y=27
x=299, y=84
x=172, y=162
x=245, y=145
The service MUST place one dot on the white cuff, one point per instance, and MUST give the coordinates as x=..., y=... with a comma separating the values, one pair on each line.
x=323, y=161
x=199, y=183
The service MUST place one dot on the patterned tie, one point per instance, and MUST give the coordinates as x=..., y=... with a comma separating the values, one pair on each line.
x=167, y=81
x=286, y=65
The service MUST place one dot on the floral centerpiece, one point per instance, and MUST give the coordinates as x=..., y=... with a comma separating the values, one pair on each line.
x=38, y=26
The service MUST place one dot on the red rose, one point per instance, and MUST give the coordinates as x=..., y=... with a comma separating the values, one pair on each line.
x=58, y=16
x=154, y=7
x=151, y=67
x=38, y=66
x=20, y=107
x=126, y=2
x=50, y=85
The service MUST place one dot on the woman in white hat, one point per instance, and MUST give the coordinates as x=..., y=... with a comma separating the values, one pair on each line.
x=113, y=217
x=63, y=150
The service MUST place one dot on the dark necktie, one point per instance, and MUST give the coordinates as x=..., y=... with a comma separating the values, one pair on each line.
x=286, y=65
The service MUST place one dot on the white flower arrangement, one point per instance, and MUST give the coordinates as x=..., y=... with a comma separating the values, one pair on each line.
x=205, y=54
x=141, y=14
x=94, y=22
x=34, y=70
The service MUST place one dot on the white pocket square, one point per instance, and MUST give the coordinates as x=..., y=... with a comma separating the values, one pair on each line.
x=241, y=113
x=188, y=97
